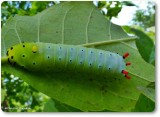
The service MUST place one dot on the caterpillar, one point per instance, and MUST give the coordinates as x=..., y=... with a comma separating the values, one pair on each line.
x=49, y=57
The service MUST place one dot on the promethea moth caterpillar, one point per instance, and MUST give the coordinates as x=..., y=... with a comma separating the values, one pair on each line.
x=48, y=57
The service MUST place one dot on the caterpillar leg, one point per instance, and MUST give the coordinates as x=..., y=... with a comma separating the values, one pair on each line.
x=126, y=74
x=128, y=77
x=127, y=64
x=125, y=55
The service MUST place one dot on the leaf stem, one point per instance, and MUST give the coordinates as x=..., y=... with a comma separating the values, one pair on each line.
x=107, y=42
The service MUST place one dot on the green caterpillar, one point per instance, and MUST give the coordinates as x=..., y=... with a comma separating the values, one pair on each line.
x=48, y=57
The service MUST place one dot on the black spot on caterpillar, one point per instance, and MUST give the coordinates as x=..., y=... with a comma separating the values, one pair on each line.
x=48, y=57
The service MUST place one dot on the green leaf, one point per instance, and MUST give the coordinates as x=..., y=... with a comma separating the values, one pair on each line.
x=144, y=104
x=3, y=95
x=152, y=56
x=50, y=106
x=145, y=46
x=148, y=92
x=128, y=29
x=128, y=3
x=151, y=85
x=56, y=106
x=79, y=23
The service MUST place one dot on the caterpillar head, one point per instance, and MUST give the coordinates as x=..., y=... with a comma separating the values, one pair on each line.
x=22, y=54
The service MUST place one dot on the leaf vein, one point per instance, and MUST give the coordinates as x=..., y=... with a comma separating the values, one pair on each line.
x=38, y=32
x=110, y=36
x=4, y=46
x=17, y=31
x=129, y=46
x=116, y=94
x=89, y=19
x=139, y=76
x=63, y=23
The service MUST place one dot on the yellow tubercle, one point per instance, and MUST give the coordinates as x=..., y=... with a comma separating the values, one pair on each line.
x=34, y=49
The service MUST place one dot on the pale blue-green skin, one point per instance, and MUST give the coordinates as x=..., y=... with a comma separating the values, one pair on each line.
x=63, y=58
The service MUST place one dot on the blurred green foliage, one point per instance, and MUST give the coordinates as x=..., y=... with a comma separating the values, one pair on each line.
x=18, y=96
x=11, y=8
x=145, y=46
x=145, y=18
x=144, y=104
x=113, y=7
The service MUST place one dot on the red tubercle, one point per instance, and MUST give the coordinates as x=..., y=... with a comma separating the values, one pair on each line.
x=128, y=77
x=124, y=72
x=128, y=63
x=125, y=55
